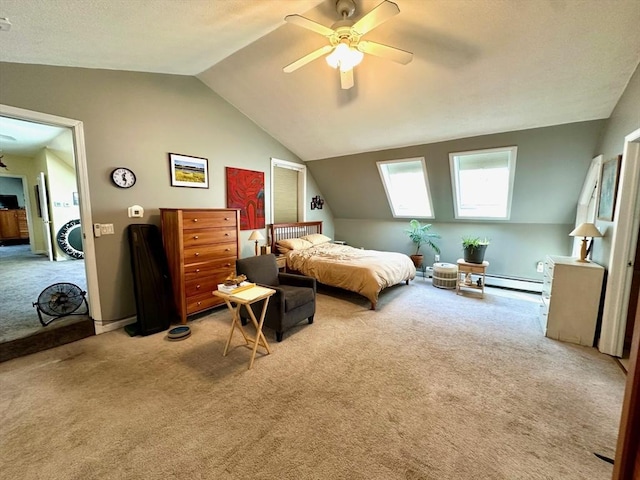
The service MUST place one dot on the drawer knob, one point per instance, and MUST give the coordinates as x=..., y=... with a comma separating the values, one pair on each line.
x=226, y=218
x=228, y=265
x=199, y=303
x=197, y=270
x=195, y=220
x=226, y=249
x=197, y=254
x=196, y=237
x=226, y=234
x=197, y=287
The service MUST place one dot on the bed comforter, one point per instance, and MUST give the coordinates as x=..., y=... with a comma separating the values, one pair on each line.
x=366, y=272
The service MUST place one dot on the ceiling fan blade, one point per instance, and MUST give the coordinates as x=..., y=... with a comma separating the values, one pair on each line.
x=309, y=24
x=346, y=79
x=375, y=17
x=307, y=58
x=385, y=51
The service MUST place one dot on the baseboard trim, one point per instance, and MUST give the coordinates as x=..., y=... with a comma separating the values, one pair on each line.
x=522, y=284
x=104, y=327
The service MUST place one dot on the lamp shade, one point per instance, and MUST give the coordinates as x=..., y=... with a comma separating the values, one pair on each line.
x=256, y=235
x=586, y=230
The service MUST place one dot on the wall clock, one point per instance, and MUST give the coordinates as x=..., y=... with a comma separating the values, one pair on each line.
x=123, y=177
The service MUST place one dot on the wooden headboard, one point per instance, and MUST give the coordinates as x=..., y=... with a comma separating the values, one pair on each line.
x=281, y=231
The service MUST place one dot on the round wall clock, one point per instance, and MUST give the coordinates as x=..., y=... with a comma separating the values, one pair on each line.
x=69, y=239
x=123, y=177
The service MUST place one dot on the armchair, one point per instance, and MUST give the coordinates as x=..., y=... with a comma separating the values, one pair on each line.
x=295, y=297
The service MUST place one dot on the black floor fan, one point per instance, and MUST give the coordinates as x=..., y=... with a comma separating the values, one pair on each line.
x=60, y=300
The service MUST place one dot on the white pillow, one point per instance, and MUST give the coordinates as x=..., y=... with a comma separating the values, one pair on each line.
x=316, y=238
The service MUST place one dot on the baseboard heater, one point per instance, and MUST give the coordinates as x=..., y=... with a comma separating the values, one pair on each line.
x=501, y=281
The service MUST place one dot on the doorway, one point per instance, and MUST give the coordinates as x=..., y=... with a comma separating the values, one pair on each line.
x=623, y=250
x=24, y=261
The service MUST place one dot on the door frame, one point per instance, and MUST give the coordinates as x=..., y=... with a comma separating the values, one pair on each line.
x=623, y=249
x=82, y=178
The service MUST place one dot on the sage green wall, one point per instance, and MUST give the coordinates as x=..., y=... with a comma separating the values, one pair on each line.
x=551, y=167
x=134, y=119
x=624, y=120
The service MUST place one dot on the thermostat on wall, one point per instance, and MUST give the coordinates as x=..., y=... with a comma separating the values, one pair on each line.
x=136, y=211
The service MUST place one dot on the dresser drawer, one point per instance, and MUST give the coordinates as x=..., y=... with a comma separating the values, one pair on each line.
x=196, y=303
x=209, y=283
x=195, y=237
x=205, y=253
x=205, y=219
x=214, y=267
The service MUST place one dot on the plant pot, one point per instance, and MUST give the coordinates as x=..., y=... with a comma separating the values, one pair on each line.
x=475, y=254
x=417, y=260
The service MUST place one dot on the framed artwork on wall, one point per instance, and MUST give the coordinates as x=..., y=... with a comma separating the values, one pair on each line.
x=245, y=191
x=188, y=171
x=608, y=188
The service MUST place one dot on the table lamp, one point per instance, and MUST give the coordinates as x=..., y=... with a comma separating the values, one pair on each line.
x=585, y=230
x=257, y=236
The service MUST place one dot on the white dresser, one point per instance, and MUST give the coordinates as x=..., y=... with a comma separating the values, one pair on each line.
x=571, y=293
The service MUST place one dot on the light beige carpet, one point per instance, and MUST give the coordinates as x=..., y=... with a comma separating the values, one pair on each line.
x=430, y=386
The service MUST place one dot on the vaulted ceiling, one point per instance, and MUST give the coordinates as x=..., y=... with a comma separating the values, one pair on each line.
x=479, y=67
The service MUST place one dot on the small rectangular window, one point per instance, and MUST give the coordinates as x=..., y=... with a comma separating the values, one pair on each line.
x=407, y=187
x=482, y=183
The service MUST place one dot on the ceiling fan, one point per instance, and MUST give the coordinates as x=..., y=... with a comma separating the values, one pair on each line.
x=346, y=47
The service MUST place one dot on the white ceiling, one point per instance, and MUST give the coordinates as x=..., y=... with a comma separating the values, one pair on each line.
x=479, y=67
x=18, y=137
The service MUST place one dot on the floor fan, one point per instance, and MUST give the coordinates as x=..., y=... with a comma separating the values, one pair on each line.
x=59, y=300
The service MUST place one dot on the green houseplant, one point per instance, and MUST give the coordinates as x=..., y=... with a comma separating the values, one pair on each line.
x=421, y=235
x=474, y=249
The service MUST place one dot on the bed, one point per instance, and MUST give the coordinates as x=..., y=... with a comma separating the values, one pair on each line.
x=366, y=272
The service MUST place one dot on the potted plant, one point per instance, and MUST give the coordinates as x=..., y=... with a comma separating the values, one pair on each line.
x=474, y=249
x=421, y=235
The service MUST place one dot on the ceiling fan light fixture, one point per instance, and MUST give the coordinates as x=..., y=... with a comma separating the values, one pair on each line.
x=344, y=57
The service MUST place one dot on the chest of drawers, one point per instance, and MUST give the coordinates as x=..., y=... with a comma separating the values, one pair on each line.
x=201, y=246
x=571, y=293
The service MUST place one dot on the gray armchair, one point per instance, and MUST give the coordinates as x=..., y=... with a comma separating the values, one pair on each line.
x=295, y=297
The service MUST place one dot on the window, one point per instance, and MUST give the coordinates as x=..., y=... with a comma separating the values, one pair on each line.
x=288, y=187
x=483, y=183
x=407, y=187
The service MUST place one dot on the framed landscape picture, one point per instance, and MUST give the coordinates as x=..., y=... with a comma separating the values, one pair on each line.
x=608, y=188
x=188, y=171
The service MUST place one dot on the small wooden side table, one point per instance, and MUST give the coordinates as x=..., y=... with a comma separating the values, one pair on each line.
x=247, y=297
x=468, y=270
x=281, y=261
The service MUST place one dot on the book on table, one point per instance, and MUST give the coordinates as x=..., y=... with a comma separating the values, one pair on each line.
x=253, y=293
x=229, y=289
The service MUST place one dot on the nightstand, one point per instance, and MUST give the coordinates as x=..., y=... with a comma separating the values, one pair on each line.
x=281, y=260
x=466, y=272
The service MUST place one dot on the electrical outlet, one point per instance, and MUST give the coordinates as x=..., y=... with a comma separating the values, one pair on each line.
x=540, y=267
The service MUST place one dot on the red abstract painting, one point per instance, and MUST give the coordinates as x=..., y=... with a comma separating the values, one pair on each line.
x=245, y=191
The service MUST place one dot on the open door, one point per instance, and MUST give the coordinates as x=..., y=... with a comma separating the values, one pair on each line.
x=46, y=221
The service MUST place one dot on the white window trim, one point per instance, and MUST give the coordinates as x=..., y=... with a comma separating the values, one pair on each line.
x=426, y=181
x=302, y=186
x=513, y=152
